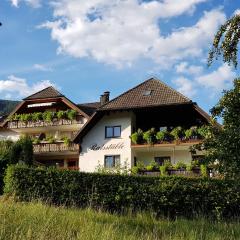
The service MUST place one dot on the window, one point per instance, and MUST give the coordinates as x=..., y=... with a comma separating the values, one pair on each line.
x=113, y=132
x=160, y=160
x=147, y=92
x=198, y=158
x=111, y=161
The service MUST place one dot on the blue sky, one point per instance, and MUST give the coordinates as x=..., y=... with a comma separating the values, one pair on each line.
x=87, y=47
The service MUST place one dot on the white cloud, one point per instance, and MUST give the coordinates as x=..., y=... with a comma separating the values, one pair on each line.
x=237, y=12
x=185, y=68
x=19, y=87
x=120, y=32
x=32, y=3
x=185, y=86
x=219, y=79
x=188, y=41
x=42, y=67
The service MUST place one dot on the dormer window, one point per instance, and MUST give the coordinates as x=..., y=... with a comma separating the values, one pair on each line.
x=147, y=92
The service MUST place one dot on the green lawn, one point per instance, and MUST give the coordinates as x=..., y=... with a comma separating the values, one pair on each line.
x=39, y=221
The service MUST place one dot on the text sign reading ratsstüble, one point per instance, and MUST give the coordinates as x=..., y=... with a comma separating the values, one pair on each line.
x=96, y=147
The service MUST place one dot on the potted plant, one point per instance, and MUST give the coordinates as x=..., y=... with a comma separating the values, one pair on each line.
x=66, y=140
x=177, y=133
x=202, y=131
x=137, y=137
x=180, y=165
x=165, y=168
x=189, y=134
x=71, y=114
x=48, y=116
x=61, y=115
x=37, y=116
x=150, y=136
x=50, y=139
x=161, y=135
x=36, y=141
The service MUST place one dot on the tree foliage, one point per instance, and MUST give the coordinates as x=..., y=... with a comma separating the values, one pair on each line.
x=21, y=151
x=222, y=144
x=226, y=41
x=5, y=147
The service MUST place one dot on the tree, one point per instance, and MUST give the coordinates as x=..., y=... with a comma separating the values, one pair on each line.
x=222, y=144
x=22, y=151
x=226, y=41
x=5, y=147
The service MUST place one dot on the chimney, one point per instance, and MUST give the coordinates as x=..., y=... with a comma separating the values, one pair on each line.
x=104, y=98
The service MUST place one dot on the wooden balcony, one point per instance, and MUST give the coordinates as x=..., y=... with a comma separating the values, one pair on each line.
x=170, y=143
x=55, y=148
x=41, y=123
x=179, y=144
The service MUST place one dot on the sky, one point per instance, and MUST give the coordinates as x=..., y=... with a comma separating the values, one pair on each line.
x=86, y=47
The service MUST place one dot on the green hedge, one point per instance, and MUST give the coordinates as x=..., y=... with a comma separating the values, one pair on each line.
x=1, y=184
x=171, y=196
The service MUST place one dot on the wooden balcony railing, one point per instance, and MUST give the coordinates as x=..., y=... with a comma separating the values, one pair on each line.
x=55, y=147
x=168, y=143
x=42, y=123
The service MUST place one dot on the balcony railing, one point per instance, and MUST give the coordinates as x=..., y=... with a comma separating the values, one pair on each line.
x=169, y=143
x=31, y=124
x=55, y=147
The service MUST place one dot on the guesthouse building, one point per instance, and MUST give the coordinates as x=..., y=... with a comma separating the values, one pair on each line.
x=52, y=121
x=142, y=125
x=113, y=135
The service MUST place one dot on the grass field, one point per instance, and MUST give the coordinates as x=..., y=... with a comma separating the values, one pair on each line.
x=39, y=221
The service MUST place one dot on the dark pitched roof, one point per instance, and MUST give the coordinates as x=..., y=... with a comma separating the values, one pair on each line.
x=150, y=93
x=89, y=108
x=49, y=92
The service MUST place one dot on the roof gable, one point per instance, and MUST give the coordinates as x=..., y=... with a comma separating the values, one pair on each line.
x=49, y=92
x=150, y=93
x=89, y=108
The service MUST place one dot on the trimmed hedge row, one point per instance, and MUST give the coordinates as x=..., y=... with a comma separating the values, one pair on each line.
x=1, y=184
x=169, y=196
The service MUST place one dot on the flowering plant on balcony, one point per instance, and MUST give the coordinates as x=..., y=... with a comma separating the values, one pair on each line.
x=47, y=116
x=164, y=135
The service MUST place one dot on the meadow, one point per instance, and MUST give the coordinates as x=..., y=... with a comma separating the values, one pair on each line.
x=40, y=221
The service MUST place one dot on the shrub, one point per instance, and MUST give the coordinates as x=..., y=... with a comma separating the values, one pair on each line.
x=150, y=136
x=137, y=137
x=204, y=171
x=170, y=196
x=135, y=170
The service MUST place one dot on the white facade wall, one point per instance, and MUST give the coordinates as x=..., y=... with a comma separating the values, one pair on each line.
x=175, y=155
x=90, y=159
x=6, y=134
